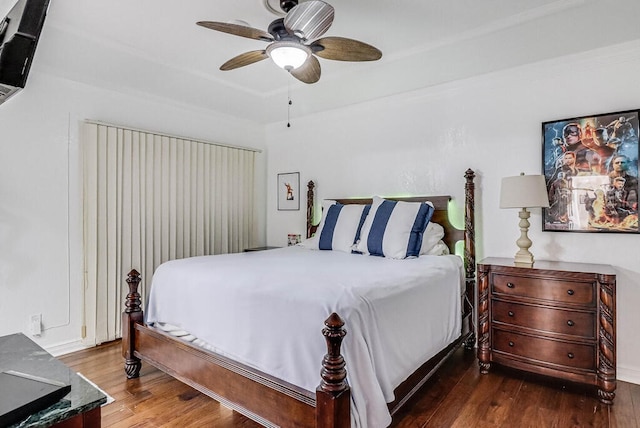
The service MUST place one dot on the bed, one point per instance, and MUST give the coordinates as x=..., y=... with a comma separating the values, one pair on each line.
x=273, y=383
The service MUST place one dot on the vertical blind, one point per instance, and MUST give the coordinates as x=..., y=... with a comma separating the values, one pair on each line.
x=149, y=198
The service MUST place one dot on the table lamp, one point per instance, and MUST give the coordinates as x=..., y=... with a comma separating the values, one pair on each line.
x=524, y=191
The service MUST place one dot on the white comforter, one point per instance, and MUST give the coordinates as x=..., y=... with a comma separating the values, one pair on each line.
x=266, y=309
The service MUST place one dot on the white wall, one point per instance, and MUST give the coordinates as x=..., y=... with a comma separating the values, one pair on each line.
x=40, y=190
x=421, y=142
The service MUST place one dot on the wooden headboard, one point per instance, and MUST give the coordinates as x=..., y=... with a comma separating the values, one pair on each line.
x=440, y=216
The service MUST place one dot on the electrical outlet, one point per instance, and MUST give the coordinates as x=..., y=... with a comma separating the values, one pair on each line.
x=35, y=324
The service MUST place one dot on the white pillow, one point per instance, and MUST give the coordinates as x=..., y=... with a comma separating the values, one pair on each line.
x=339, y=226
x=394, y=229
x=432, y=235
x=310, y=243
x=440, y=249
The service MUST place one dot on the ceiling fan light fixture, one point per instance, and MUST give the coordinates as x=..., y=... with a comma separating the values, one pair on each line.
x=293, y=40
x=288, y=55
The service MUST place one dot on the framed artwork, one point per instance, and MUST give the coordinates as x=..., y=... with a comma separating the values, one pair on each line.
x=293, y=239
x=591, y=170
x=289, y=191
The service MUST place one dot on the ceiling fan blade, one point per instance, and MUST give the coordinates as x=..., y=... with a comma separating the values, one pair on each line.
x=309, y=20
x=244, y=59
x=237, y=30
x=309, y=72
x=343, y=49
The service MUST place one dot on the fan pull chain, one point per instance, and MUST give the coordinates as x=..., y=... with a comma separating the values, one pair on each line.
x=289, y=103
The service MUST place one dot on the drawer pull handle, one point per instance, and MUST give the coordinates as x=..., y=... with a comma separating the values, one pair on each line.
x=511, y=343
x=570, y=323
x=570, y=292
x=570, y=355
x=511, y=313
x=510, y=285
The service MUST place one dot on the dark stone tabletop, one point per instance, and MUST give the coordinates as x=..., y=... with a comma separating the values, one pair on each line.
x=19, y=353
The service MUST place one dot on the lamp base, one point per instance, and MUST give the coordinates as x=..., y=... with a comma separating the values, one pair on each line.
x=524, y=258
x=522, y=264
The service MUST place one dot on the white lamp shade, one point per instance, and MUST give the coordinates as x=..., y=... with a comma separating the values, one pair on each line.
x=288, y=55
x=524, y=191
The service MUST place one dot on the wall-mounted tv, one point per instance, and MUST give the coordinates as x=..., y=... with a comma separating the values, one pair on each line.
x=19, y=34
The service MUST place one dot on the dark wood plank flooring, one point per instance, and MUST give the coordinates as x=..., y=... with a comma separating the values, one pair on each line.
x=457, y=396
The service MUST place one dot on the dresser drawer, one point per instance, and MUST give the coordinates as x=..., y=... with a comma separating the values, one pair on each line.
x=575, y=323
x=556, y=290
x=541, y=349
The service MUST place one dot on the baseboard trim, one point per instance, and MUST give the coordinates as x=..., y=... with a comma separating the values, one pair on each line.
x=628, y=375
x=66, y=348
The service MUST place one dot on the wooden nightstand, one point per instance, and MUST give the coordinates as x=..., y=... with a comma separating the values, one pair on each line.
x=555, y=319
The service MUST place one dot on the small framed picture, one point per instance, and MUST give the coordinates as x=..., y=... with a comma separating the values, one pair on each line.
x=293, y=239
x=289, y=191
x=591, y=169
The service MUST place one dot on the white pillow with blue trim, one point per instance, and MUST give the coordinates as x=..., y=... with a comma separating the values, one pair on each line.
x=394, y=229
x=339, y=228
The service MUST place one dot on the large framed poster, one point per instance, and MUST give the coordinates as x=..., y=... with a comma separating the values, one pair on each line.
x=591, y=170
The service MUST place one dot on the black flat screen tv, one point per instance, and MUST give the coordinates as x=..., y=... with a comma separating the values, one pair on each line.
x=19, y=34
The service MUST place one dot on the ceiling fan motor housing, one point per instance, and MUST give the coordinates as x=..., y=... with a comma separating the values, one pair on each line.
x=278, y=30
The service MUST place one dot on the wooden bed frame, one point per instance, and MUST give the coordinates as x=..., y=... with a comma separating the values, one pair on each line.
x=273, y=402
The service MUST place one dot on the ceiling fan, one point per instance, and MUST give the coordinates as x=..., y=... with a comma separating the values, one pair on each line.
x=293, y=41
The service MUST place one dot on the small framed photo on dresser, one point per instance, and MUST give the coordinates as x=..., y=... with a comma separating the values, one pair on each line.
x=289, y=191
x=591, y=170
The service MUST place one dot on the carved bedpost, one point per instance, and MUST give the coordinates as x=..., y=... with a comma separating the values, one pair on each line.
x=483, y=320
x=131, y=316
x=606, y=339
x=310, y=228
x=333, y=396
x=470, y=250
x=469, y=225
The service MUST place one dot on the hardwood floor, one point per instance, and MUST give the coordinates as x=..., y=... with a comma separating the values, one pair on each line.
x=457, y=396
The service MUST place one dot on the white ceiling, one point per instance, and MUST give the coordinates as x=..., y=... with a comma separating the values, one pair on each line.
x=153, y=47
